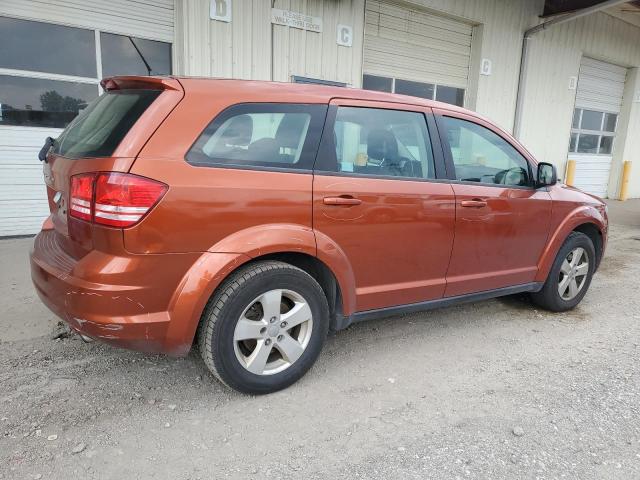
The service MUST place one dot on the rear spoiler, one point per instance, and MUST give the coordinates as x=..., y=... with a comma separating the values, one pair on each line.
x=147, y=83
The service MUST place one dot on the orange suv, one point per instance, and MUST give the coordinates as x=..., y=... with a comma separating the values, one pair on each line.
x=255, y=217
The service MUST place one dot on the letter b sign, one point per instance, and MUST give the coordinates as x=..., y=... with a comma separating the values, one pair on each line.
x=345, y=35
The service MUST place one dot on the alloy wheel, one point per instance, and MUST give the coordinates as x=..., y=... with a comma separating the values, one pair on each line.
x=573, y=273
x=273, y=332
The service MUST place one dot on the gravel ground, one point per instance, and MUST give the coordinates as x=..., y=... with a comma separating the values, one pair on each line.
x=492, y=390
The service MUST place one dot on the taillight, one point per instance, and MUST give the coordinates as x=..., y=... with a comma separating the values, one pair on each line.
x=81, y=196
x=120, y=199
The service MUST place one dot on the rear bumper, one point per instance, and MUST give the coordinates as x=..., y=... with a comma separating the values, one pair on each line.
x=133, y=301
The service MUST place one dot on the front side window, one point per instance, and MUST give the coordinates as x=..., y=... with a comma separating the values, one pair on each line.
x=380, y=142
x=480, y=155
x=592, y=132
x=261, y=135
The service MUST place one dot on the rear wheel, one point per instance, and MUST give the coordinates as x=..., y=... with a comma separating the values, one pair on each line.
x=570, y=275
x=264, y=327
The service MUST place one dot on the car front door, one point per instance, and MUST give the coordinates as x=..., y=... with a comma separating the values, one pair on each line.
x=376, y=199
x=502, y=220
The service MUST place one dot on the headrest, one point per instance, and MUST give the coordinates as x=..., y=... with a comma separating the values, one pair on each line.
x=238, y=132
x=382, y=144
x=290, y=129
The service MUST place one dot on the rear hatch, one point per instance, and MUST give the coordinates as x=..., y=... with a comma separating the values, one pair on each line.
x=102, y=144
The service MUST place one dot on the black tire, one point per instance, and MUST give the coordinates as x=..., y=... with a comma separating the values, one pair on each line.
x=548, y=297
x=219, y=320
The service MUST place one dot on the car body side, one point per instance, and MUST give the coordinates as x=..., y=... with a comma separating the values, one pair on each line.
x=213, y=220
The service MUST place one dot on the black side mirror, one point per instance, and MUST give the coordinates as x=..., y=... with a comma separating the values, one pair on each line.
x=547, y=175
x=48, y=143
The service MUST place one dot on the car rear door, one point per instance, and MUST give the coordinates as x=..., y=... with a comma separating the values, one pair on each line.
x=378, y=201
x=502, y=220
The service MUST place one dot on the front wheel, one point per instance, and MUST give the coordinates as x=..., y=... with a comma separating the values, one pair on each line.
x=264, y=327
x=570, y=275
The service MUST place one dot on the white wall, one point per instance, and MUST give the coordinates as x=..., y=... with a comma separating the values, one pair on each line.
x=555, y=56
x=243, y=47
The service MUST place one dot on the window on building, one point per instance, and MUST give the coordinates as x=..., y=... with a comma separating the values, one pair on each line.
x=480, y=155
x=45, y=47
x=430, y=91
x=372, y=142
x=51, y=72
x=261, y=135
x=592, y=132
x=123, y=55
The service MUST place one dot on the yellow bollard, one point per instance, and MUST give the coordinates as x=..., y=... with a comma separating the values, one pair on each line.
x=571, y=172
x=624, y=187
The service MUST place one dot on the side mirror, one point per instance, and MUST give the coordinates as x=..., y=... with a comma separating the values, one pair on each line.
x=547, y=175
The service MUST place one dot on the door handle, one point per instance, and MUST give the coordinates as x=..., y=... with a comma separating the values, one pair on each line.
x=346, y=200
x=475, y=203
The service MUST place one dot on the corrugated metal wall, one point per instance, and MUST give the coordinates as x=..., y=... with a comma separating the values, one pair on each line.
x=243, y=47
x=555, y=56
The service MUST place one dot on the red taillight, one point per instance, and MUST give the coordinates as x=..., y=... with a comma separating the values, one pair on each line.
x=81, y=196
x=120, y=200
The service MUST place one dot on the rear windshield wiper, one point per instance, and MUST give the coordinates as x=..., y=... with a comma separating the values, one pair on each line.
x=48, y=143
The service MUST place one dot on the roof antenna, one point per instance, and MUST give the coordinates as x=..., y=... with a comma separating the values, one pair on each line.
x=141, y=56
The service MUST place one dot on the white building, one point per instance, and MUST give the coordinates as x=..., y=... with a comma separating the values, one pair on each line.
x=576, y=95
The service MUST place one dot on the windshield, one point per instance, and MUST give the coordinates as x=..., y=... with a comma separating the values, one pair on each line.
x=99, y=129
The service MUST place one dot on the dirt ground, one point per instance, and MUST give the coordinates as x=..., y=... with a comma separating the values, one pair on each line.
x=492, y=390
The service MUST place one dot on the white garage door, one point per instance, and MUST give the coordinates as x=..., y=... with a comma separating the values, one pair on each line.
x=416, y=53
x=58, y=55
x=595, y=119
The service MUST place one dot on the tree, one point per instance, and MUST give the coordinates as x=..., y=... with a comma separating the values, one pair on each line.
x=52, y=101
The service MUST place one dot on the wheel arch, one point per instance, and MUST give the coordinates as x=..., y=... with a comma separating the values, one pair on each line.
x=321, y=274
x=585, y=219
x=592, y=231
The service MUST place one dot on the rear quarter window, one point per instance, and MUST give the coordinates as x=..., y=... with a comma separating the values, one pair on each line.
x=260, y=135
x=98, y=130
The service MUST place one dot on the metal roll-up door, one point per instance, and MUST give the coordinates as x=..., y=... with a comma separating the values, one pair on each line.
x=593, y=131
x=410, y=44
x=23, y=199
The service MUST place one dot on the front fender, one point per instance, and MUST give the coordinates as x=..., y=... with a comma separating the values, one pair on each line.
x=579, y=216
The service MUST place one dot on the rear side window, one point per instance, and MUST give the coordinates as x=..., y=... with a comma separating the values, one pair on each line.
x=261, y=135
x=380, y=142
x=98, y=130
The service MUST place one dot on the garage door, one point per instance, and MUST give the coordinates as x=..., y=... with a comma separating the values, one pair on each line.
x=59, y=54
x=595, y=120
x=416, y=53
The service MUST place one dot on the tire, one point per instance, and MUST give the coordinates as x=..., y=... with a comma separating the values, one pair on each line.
x=238, y=330
x=549, y=297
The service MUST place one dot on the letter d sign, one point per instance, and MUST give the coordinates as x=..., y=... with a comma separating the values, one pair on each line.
x=345, y=35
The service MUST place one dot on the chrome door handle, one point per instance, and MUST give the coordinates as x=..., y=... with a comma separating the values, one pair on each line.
x=337, y=201
x=475, y=203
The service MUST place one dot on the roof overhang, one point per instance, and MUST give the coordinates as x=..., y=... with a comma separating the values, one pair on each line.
x=629, y=10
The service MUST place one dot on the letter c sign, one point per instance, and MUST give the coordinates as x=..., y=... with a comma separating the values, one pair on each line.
x=345, y=35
